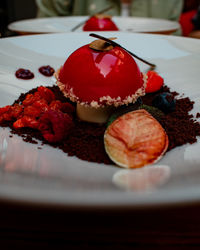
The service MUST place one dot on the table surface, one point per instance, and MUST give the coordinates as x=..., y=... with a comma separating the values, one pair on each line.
x=27, y=227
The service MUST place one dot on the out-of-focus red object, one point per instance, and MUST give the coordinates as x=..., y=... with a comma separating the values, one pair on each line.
x=186, y=22
x=100, y=23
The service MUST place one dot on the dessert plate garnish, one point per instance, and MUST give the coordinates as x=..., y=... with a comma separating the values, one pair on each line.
x=135, y=139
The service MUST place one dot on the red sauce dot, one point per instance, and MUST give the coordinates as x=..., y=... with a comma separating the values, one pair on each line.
x=25, y=74
x=46, y=70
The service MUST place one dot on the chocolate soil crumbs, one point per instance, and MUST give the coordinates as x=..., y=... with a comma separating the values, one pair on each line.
x=86, y=139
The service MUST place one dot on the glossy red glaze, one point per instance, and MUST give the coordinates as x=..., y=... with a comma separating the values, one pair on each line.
x=99, y=24
x=93, y=74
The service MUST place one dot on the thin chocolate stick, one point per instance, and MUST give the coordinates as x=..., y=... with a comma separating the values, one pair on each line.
x=116, y=44
x=97, y=13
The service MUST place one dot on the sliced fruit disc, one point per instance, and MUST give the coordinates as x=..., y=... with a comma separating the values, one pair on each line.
x=135, y=139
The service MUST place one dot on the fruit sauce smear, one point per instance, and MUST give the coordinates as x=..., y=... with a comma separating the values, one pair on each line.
x=85, y=140
x=46, y=70
x=24, y=74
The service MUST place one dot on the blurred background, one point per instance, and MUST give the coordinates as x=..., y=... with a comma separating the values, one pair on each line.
x=14, y=10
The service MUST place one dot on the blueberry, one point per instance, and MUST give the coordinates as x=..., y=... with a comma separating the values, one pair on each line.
x=164, y=102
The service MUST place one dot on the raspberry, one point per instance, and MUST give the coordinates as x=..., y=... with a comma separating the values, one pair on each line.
x=64, y=107
x=154, y=82
x=55, y=125
x=46, y=94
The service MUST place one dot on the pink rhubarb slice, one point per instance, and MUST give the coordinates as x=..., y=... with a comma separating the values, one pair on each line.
x=135, y=139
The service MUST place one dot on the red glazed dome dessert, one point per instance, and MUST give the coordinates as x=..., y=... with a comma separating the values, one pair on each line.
x=100, y=23
x=98, y=79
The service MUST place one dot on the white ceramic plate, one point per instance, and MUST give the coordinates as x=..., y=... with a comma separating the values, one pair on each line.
x=48, y=176
x=65, y=24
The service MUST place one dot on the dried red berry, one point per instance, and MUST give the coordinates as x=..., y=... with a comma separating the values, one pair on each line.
x=55, y=105
x=16, y=110
x=30, y=122
x=32, y=111
x=41, y=105
x=8, y=113
x=18, y=124
x=46, y=94
x=30, y=99
x=4, y=109
x=26, y=121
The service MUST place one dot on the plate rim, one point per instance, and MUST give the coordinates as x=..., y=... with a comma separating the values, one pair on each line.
x=12, y=25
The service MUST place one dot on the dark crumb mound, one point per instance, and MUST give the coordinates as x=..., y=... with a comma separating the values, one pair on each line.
x=86, y=139
x=86, y=142
x=180, y=125
x=27, y=134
